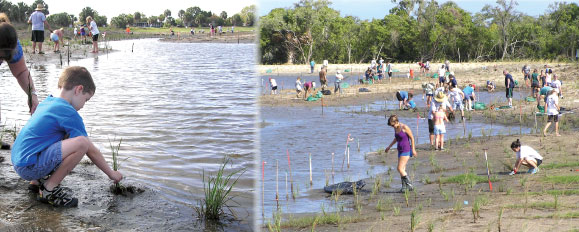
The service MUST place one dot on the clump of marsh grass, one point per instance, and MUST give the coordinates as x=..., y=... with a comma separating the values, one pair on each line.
x=217, y=190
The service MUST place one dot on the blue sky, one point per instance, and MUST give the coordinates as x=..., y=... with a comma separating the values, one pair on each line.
x=368, y=9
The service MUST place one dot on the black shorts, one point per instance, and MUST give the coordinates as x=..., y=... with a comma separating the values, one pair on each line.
x=527, y=76
x=539, y=162
x=37, y=36
x=323, y=82
x=552, y=118
x=389, y=74
x=399, y=97
x=95, y=37
x=535, y=84
x=430, y=126
x=274, y=88
x=509, y=92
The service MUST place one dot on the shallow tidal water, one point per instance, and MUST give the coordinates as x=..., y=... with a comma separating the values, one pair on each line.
x=179, y=108
x=304, y=130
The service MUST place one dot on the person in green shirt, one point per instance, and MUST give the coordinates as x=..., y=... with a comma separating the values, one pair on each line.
x=535, y=84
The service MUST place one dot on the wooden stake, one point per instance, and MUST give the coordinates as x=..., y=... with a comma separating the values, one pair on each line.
x=277, y=183
x=290, y=171
x=286, y=193
x=311, y=181
x=348, y=149
x=263, y=188
x=488, y=172
x=332, y=168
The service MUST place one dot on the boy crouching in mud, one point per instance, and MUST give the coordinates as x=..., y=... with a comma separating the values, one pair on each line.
x=54, y=140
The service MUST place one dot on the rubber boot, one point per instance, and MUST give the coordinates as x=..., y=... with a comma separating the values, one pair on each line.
x=406, y=184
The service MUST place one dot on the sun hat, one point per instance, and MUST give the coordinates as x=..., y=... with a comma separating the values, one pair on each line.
x=338, y=71
x=39, y=6
x=440, y=97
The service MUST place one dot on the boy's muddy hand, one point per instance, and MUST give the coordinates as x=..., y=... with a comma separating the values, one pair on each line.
x=116, y=176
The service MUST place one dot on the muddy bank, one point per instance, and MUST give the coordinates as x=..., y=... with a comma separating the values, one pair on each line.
x=448, y=206
x=98, y=209
x=467, y=73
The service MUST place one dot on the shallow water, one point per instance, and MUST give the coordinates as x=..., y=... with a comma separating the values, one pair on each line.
x=303, y=130
x=179, y=109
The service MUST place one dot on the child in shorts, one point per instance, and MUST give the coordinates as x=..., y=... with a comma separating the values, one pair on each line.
x=439, y=127
x=526, y=156
x=552, y=109
x=54, y=140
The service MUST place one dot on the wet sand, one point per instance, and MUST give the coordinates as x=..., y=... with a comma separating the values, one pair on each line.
x=442, y=207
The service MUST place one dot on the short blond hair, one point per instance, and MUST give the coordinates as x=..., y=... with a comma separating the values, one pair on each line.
x=88, y=18
x=4, y=18
x=75, y=76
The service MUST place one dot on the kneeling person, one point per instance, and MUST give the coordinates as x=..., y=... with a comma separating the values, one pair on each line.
x=526, y=156
x=54, y=140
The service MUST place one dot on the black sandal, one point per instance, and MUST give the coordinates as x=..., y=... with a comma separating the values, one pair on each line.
x=58, y=197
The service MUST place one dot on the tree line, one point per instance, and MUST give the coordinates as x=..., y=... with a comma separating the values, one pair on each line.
x=192, y=16
x=418, y=30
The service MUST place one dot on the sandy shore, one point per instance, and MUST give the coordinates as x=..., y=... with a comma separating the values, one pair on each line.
x=473, y=73
x=547, y=201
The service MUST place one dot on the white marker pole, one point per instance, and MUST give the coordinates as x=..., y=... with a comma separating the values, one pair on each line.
x=311, y=181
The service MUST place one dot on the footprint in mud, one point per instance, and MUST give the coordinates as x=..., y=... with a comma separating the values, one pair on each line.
x=125, y=190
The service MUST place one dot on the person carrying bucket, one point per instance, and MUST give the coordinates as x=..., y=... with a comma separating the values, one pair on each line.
x=406, y=149
x=526, y=156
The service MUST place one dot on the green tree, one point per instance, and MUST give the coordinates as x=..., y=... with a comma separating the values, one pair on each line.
x=85, y=12
x=223, y=15
x=248, y=15
x=137, y=16
x=59, y=20
x=167, y=12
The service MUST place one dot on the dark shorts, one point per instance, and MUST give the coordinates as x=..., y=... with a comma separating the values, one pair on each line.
x=402, y=153
x=430, y=126
x=37, y=36
x=430, y=95
x=323, y=82
x=469, y=97
x=399, y=97
x=48, y=160
x=552, y=118
x=535, y=84
x=274, y=88
x=527, y=76
x=95, y=37
x=539, y=162
x=389, y=74
x=509, y=92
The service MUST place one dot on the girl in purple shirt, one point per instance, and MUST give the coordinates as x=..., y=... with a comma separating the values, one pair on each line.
x=406, y=149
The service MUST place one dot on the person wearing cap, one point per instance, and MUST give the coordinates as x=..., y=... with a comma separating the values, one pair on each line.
x=428, y=89
x=509, y=86
x=440, y=102
x=38, y=21
x=552, y=108
x=339, y=78
x=403, y=99
x=526, y=156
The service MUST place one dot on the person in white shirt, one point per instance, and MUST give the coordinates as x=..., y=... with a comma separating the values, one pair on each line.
x=92, y=26
x=556, y=84
x=339, y=78
x=526, y=156
x=552, y=109
x=456, y=95
x=75, y=32
x=273, y=84
x=299, y=87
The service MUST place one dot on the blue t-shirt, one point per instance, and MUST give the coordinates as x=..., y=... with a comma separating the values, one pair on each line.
x=404, y=94
x=53, y=119
x=412, y=104
x=511, y=83
x=18, y=54
x=468, y=91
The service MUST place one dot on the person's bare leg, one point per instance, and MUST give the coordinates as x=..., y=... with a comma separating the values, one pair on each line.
x=441, y=141
x=72, y=152
x=545, y=129
x=432, y=139
x=557, y=127
x=39, y=47
x=531, y=163
x=402, y=160
x=33, y=47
